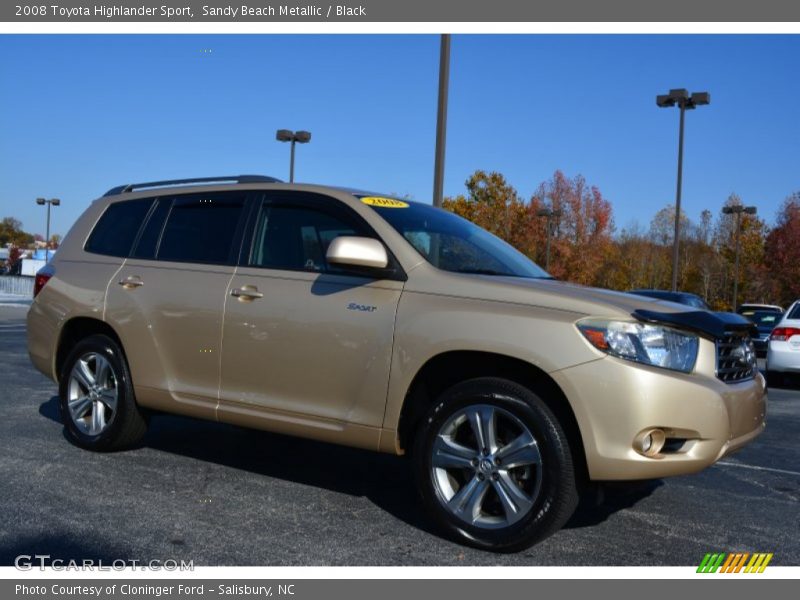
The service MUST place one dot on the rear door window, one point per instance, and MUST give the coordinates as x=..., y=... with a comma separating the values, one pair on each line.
x=202, y=228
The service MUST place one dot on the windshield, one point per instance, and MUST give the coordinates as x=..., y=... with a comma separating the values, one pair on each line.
x=451, y=243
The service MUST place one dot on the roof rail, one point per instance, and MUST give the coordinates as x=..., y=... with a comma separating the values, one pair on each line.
x=124, y=189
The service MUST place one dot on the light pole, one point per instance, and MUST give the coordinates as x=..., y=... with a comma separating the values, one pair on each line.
x=549, y=214
x=684, y=101
x=49, y=203
x=441, y=119
x=737, y=209
x=286, y=135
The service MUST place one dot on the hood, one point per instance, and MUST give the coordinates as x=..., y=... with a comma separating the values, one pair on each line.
x=545, y=293
x=582, y=300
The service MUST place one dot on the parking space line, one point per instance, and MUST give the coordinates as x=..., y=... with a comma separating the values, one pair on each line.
x=755, y=468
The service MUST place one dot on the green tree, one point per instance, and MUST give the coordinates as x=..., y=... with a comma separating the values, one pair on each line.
x=11, y=233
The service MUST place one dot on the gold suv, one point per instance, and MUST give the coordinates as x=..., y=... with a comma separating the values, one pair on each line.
x=389, y=325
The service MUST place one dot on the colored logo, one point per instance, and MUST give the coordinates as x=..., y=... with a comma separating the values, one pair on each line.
x=384, y=202
x=736, y=562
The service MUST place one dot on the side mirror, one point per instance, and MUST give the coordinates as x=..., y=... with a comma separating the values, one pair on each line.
x=357, y=252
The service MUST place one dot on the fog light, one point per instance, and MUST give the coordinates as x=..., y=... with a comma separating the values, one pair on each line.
x=649, y=442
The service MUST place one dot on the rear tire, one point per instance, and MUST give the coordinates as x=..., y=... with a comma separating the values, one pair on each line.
x=494, y=467
x=96, y=398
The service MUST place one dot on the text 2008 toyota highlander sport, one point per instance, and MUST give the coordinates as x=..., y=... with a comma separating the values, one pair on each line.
x=388, y=325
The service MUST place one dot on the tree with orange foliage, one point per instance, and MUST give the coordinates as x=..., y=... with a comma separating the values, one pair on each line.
x=582, y=231
x=581, y=234
x=782, y=251
x=584, y=251
x=753, y=287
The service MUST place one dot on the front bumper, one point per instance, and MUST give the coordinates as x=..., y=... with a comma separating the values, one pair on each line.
x=615, y=400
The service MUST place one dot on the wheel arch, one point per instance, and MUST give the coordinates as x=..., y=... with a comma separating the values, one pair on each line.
x=77, y=329
x=444, y=370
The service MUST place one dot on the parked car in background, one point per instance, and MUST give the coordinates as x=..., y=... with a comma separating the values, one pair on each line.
x=744, y=309
x=783, y=352
x=679, y=297
x=765, y=317
x=765, y=320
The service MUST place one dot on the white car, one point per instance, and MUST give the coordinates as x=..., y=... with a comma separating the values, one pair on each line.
x=783, y=352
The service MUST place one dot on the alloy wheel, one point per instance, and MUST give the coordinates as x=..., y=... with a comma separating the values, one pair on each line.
x=486, y=467
x=92, y=393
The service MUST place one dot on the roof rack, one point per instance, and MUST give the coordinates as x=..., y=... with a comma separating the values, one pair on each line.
x=124, y=189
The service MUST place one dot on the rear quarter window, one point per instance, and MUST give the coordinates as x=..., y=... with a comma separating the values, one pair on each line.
x=116, y=230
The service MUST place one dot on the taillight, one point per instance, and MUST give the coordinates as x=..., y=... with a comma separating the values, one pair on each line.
x=781, y=334
x=39, y=282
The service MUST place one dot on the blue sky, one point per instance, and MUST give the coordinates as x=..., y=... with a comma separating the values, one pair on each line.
x=80, y=114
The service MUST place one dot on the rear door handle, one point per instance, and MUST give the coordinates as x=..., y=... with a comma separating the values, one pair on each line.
x=130, y=282
x=246, y=293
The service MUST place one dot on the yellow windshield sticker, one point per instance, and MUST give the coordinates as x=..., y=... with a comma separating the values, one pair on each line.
x=384, y=202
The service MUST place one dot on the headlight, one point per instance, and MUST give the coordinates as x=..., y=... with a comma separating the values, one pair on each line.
x=649, y=344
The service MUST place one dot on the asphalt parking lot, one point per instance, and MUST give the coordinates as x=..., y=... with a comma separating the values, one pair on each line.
x=221, y=495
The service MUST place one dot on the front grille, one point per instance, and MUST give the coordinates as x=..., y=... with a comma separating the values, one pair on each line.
x=736, y=358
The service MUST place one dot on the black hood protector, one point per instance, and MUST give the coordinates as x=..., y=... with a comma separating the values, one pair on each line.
x=714, y=324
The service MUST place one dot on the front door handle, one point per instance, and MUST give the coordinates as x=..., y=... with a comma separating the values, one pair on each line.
x=246, y=293
x=130, y=282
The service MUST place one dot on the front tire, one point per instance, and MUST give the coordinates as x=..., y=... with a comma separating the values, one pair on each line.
x=96, y=398
x=493, y=465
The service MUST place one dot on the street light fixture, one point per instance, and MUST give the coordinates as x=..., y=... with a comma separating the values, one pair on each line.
x=300, y=137
x=550, y=214
x=737, y=209
x=684, y=101
x=49, y=203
